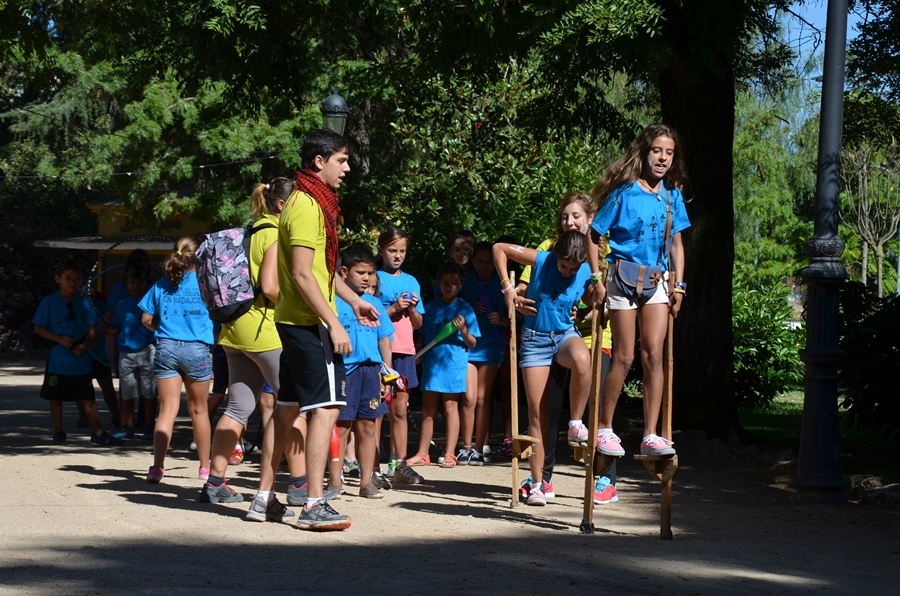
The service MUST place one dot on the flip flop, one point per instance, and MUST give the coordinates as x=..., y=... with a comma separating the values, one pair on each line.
x=423, y=460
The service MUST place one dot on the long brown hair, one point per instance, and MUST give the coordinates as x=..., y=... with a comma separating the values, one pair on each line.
x=574, y=197
x=265, y=197
x=181, y=261
x=628, y=167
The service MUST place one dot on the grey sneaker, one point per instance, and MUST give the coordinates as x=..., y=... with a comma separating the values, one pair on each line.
x=219, y=494
x=297, y=495
x=333, y=493
x=370, y=491
x=405, y=474
x=322, y=517
x=274, y=511
x=381, y=481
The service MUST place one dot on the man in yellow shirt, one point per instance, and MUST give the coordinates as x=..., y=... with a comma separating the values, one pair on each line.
x=313, y=341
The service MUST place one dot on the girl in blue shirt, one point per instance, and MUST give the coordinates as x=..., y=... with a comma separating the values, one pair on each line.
x=444, y=366
x=633, y=198
x=174, y=309
x=559, y=280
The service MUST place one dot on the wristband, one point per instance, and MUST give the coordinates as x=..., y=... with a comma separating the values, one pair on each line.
x=681, y=284
x=502, y=281
x=596, y=277
x=508, y=288
x=680, y=291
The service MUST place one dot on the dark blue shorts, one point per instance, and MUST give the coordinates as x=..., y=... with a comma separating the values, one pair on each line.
x=364, y=394
x=405, y=364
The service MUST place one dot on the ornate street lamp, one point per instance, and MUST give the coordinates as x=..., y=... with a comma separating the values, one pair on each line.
x=335, y=112
x=819, y=465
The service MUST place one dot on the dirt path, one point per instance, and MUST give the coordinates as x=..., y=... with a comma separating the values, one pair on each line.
x=82, y=520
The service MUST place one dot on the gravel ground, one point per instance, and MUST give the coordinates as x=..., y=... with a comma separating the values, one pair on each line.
x=81, y=520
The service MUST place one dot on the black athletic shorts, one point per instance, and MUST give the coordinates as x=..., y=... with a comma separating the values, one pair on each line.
x=68, y=387
x=311, y=374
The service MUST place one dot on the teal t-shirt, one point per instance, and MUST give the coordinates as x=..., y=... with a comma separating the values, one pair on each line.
x=133, y=335
x=444, y=365
x=182, y=313
x=364, y=340
x=554, y=295
x=491, y=344
x=60, y=316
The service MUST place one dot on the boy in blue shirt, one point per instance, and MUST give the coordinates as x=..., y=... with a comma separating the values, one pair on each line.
x=371, y=347
x=134, y=342
x=67, y=319
x=444, y=366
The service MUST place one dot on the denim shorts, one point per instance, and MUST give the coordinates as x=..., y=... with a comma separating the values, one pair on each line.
x=539, y=348
x=189, y=359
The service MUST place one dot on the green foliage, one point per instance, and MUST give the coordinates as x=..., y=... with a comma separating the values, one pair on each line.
x=870, y=339
x=769, y=232
x=766, y=349
x=874, y=63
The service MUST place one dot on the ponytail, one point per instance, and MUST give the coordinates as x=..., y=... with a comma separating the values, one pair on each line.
x=182, y=261
x=265, y=197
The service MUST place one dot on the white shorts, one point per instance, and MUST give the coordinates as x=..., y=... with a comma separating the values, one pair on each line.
x=617, y=300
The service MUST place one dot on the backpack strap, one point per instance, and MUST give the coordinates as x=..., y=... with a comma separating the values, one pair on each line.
x=257, y=290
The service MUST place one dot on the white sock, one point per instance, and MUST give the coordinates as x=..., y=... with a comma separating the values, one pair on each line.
x=649, y=436
x=604, y=431
x=574, y=423
x=264, y=496
x=310, y=503
x=239, y=447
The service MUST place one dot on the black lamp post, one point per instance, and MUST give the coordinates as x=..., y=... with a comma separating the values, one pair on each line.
x=335, y=112
x=819, y=466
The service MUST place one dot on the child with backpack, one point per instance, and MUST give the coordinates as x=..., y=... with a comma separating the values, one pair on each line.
x=174, y=310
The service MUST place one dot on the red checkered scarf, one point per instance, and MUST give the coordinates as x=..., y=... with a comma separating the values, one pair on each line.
x=310, y=183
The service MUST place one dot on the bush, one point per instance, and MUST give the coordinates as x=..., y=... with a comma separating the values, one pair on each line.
x=870, y=339
x=766, y=349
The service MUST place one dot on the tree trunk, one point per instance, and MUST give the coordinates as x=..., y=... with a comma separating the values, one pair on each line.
x=865, y=263
x=698, y=100
x=879, y=262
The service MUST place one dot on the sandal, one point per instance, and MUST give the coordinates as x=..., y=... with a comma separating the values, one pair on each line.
x=449, y=461
x=418, y=460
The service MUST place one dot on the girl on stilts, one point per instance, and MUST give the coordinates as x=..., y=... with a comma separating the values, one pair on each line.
x=641, y=206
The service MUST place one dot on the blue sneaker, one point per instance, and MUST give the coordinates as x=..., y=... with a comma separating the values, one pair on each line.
x=105, y=439
x=125, y=433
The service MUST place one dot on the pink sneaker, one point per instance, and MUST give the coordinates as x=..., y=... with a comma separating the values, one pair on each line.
x=525, y=489
x=577, y=435
x=548, y=490
x=610, y=444
x=536, y=496
x=606, y=496
x=655, y=445
x=155, y=475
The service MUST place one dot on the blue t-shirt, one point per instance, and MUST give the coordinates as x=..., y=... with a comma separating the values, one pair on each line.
x=133, y=335
x=636, y=222
x=444, y=365
x=392, y=286
x=119, y=291
x=364, y=340
x=554, y=295
x=182, y=314
x=492, y=342
x=73, y=318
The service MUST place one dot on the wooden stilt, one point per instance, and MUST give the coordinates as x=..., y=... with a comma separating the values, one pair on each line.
x=521, y=444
